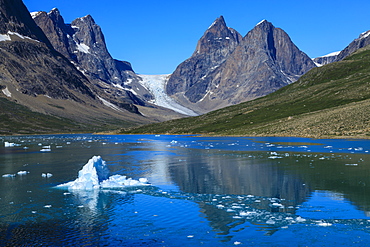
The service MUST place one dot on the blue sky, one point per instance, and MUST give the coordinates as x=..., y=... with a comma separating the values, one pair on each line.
x=155, y=36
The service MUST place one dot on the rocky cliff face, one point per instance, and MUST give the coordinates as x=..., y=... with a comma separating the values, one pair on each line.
x=83, y=43
x=212, y=50
x=262, y=62
x=29, y=65
x=362, y=41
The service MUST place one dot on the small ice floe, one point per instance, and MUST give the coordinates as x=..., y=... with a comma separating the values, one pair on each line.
x=95, y=175
x=8, y=176
x=46, y=175
x=21, y=173
x=46, y=149
x=325, y=224
x=11, y=144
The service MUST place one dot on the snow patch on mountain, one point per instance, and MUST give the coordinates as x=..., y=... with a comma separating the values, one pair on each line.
x=156, y=85
x=336, y=53
x=83, y=48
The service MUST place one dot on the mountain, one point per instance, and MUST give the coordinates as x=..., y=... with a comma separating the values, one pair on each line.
x=83, y=43
x=362, y=41
x=226, y=70
x=323, y=60
x=42, y=91
x=329, y=101
x=189, y=80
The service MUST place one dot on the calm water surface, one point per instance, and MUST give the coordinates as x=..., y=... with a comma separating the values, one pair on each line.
x=219, y=191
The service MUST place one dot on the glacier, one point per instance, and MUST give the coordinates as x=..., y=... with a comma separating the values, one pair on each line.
x=95, y=175
x=156, y=85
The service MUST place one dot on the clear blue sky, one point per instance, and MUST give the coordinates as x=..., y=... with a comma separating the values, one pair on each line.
x=155, y=36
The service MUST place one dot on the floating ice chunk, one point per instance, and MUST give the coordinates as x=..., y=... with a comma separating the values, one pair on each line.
x=275, y=157
x=8, y=175
x=95, y=175
x=270, y=222
x=22, y=173
x=300, y=219
x=10, y=144
x=325, y=224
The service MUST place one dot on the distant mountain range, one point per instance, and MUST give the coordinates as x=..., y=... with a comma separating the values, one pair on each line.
x=63, y=73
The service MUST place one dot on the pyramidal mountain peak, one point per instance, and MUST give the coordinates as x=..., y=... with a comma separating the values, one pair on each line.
x=226, y=69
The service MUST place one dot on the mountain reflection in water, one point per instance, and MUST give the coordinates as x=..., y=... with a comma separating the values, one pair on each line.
x=204, y=190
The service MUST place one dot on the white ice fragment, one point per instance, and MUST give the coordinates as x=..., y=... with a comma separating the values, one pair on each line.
x=10, y=144
x=270, y=222
x=300, y=219
x=22, y=173
x=325, y=224
x=95, y=175
x=8, y=175
x=275, y=157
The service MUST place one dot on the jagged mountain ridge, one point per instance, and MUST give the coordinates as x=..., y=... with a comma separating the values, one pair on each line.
x=29, y=63
x=83, y=43
x=263, y=61
x=362, y=41
x=36, y=80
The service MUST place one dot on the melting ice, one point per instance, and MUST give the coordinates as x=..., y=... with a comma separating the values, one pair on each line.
x=95, y=175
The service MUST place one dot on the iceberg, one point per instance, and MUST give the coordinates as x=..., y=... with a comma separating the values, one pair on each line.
x=95, y=175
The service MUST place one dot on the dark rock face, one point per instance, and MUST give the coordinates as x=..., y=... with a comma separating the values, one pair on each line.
x=15, y=17
x=362, y=41
x=83, y=43
x=212, y=50
x=28, y=61
x=262, y=62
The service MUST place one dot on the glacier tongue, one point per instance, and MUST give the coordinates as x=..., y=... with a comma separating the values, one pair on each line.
x=156, y=85
x=95, y=175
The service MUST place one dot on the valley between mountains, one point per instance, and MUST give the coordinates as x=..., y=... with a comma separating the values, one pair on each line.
x=58, y=77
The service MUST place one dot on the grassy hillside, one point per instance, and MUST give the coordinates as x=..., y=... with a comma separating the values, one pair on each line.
x=333, y=100
x=18, y=119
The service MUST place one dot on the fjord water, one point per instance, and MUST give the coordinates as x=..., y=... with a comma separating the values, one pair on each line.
x=211, y=191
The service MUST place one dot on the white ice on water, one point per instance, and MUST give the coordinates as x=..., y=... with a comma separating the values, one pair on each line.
x=95, y=175
x=156, y=85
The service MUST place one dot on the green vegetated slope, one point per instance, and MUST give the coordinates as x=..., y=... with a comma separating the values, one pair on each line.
x=333, y=100
x=18, y=119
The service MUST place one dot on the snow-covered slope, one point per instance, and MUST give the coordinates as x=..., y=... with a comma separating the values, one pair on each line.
x=156, y=85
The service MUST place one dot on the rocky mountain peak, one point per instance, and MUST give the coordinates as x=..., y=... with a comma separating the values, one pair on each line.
x=217, y=36
x=213, y=48
x=226, y=70
x=362, y=41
